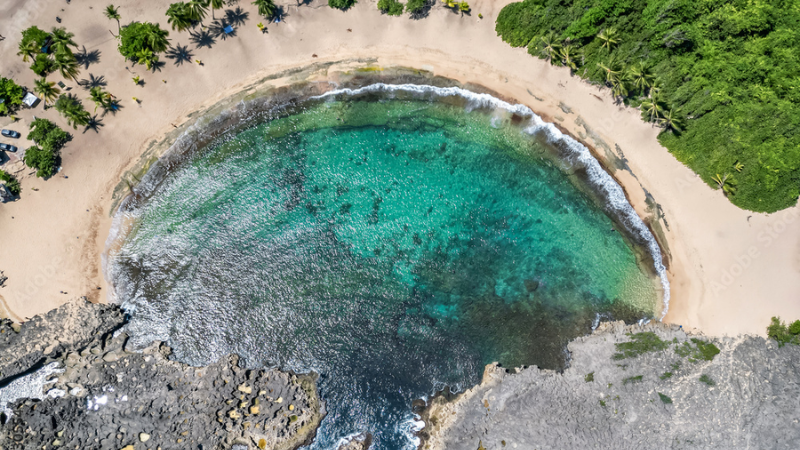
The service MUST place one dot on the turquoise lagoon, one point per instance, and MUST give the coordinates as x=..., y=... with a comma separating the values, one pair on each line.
x=394, y=239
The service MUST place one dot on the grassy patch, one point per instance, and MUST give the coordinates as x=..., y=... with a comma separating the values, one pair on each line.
x=629, y=380
x=784, y=334
x=697, y=350
x=589, y=377
x=665, y=399
x=639, y=344
x=665, y=375
x=707, y=380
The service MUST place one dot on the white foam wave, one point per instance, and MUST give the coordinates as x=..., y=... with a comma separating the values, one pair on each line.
x=580, y=157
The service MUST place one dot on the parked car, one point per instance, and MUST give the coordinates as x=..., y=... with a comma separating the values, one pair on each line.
x=8, y=148
x=10, y=133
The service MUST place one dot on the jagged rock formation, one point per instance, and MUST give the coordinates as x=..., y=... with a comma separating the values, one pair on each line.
x=111, y=398
x=72, y=326
x=747, y=398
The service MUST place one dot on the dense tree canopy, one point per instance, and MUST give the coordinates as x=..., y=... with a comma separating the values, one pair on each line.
x=720, y=76
x=390, y=7
x=10, y=95
x=47, y=135
x=341, y=4
x=142, y=42
x=72, y=109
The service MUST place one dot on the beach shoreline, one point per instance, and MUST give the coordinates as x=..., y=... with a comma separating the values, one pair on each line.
x=721, y=259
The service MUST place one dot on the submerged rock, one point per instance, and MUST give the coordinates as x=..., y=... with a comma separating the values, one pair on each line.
x=674, y=392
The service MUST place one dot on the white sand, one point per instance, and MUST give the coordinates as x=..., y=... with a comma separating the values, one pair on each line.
x=731, y=270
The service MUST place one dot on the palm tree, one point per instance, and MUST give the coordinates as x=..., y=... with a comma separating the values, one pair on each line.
x=146, y=57
x=216, y=4
x=179, y=17
x=100, y=97
x=66, y=64
x=197, y=9
x=652, y=109
x=29, y=50
x=568, y=56
x=71, y=108
x=549, y=46
x=671, y=121
x=640, y=76
x=266, y=8
x=62, y=40
x=618, y=89
x=112, y=14
x=612, y=69
x=609, y=38
x=47, y=89
x=723, y=183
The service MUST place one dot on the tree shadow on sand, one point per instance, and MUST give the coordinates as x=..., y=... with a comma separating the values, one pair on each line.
x=94, y=124
x=236, y=17
x=202, y=38
x=157, y=66
x=93, y=82
x=179, y=54
x=86, y=58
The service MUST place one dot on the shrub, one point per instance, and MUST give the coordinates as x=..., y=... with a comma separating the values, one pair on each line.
x=11, y=182
x=390, y=7
x=589, y=377
x=47, y=135
x=43, y=65
x=707, y=380
x=665, y=375
x=639, y=344
x=341, y=4
x=142, y=42
x=416, y=6
x=629, y=380
x=44, y=161
x=784, y=335
x=700, y=350
x=11, y=94
x=664, y=399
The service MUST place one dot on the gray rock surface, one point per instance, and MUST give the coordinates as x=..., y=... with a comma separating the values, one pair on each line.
x=754, y=402
x=72, y=326
x=108, y=397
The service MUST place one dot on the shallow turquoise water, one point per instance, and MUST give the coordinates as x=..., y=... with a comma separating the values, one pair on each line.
x=394, y=247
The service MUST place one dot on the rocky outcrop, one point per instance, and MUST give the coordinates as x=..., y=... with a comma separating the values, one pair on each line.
x=676, y=394
x=109, y=397
x=72, y=326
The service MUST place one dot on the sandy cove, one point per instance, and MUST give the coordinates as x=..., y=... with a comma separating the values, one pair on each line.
x=730, y=270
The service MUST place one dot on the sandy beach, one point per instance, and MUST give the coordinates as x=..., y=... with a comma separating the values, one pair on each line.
x=730, y=270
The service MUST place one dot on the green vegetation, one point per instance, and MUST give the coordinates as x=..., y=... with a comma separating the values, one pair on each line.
x=701, y=350
x=49, y=52
x=45, y=162
x=664, y=399
x=179, y=16
x=47, y=90
x=629, y=380
x=589, y=377
x=49, y=139
x=416, y=6
x=11, y=183
x=639, y=344
x=72, y=109
x=10, y=96
x=784, y=334
x=266, y=8
x=719, y=76
x=457, y=6
x=665, y=375
x=142, y=42
x=48, y=135
x=602, y=403
x=103, y=99
x=390, y=7
x=341, y=4
x=112, y=13
x=707, y=380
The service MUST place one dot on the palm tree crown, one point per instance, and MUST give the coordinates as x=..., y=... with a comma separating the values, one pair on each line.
x=113, y=14
x=62, y=40
x=47, y=89
x=549, y=46
x=266, y=8
x=609, y=38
